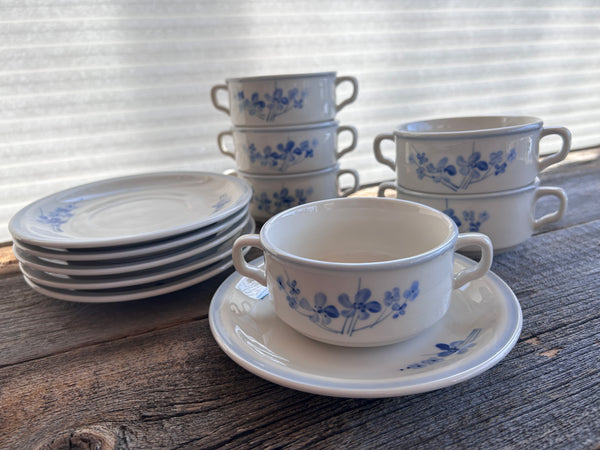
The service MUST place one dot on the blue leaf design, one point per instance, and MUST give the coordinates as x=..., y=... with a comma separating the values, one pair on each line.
x=362, y=295
x=332, y=311
x=345, y=301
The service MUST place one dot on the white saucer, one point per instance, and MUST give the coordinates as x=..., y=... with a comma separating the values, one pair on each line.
x=121, y=280
x=134, y=292
x=124, y=266
x=482, y=325
x=191, y=238
x=130, y=210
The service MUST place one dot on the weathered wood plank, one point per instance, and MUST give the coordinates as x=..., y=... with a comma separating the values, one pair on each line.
x=33, y=325
x=174, y=387
x=8, y=263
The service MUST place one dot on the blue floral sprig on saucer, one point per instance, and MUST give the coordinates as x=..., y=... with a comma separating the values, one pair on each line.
x=447, y=350
x=223, y=200
x=57, y=217
x=350, y=314
x=282, y=200
x=271, y=105
x=284, y=155
x=466, y=171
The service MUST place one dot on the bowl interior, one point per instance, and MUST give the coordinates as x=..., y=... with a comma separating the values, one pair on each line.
x=357, y=231
x=468, y=124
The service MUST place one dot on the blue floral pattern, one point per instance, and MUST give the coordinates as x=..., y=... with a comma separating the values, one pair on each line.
x=465, y=172
x=223, y=200
x=471, y=219
x=282, y=200
x=57, y=217
x=350, y=314
x=283, y=156
x=447, y=350
x=271, y=105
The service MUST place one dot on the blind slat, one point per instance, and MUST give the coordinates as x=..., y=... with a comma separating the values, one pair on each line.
x=91, y=89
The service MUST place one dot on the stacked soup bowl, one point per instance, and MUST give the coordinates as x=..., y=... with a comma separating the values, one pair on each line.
x=481, y=171
x=284, y=138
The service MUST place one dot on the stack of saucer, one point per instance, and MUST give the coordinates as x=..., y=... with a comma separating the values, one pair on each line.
x=132, y=237
x=284, y=138
x=481, y=171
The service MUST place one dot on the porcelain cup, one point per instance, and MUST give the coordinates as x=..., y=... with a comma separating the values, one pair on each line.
x=275, y=193
x=286, y=149
x=507, y=217
x=360, y=272
x=470, y=155
x=276, y=100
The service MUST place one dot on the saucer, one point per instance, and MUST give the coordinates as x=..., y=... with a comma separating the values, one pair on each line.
x=191, y=238
x=120, y=280
x=134, y=292
x=130, y=210
x=126, y=266
x=481, y=326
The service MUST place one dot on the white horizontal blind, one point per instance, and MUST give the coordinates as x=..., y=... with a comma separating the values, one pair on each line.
x=91, y=89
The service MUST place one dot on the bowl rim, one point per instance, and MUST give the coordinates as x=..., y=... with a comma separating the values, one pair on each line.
x=521, y=124
x=285, y=76
x=446, y=245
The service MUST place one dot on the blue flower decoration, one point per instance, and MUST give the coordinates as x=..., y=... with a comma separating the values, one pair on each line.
x=320, y=312
x=361, y=307
x=358, y=314
x=412, y=292
x=472, y=166
x=473, y=169
x=447, y=350
x=450, y=213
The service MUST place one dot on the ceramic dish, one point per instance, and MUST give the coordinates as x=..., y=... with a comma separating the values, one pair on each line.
x=134, y=292
x=192, y=238
x=133, y=279
x=482, y=325
x=130, y=210
x=91, y=268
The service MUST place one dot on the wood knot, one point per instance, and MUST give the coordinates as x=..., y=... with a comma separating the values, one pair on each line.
x=91, y=438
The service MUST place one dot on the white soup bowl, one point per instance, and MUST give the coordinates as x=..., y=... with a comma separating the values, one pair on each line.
x=507, y=217
x=276, y=100
x=275, y=193
x=360, y=272
x=286, y=149
x=470, y=155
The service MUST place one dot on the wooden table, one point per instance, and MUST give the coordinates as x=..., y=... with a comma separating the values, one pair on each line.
x=148, y=373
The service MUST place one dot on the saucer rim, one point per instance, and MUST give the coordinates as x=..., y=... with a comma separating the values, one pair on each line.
x=18, y=224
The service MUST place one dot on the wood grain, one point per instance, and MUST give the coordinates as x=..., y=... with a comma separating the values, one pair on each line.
x=148, y=374
x=8, y=263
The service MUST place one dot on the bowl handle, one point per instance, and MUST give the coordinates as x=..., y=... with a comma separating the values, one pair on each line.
x=377, y=150
x=355, y=185
x=354, y=94
x=565, y=135
x=557, y=192
x=383, y=187
x=352, y=130
x=215, y=101
x=222, y=146
x=470, y=274
x=240, y=263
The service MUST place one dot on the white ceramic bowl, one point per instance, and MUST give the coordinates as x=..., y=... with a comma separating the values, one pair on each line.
x=507, y=217
x=276, y=100
x=360, y=272
x=470, y=155
x=275, y=193
x=282, y=150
